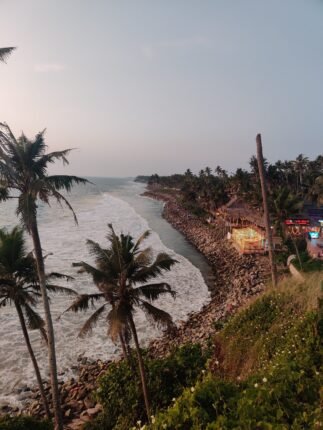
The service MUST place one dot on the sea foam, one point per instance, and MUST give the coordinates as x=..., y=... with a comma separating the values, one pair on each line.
x=66, y=242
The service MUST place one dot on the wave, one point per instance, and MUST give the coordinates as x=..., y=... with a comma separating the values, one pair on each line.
x=66, y=242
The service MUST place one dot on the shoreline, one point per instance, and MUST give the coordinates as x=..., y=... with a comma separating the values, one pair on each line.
x=235, y=279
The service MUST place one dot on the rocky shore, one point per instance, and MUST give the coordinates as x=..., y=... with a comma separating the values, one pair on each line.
x=78, y=403
x=237, y=278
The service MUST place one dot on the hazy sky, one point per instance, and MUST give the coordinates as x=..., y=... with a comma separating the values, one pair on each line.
x=144, y=86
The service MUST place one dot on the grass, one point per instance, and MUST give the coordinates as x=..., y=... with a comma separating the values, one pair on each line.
x=266, y=371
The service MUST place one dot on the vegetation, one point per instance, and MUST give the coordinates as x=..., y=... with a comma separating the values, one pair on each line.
x=119, y=389
x=23, y=423
x=19, y=285
x=23, y=170
x=266, y=372
x=210, y=189
x=119, y=268
x=244, y=385
x=308, y=264
x=4, y=53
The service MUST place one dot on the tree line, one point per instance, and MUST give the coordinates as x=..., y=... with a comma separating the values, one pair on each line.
x=290, y=185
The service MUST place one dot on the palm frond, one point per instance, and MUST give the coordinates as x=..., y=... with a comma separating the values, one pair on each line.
x=118, y=320
x=56, y=275
x=65, y=182
x=62, y=290
x=5, y=52
x=92, y=321
x=60, y=198
x=162, y=263
x=97, y=275
x=4, y=194
x=143, y=237
x=42, y=163
x=26, y=209
x=153, y=291
x=157, y=316
x=84, y=302
x=100, y=254
x=34, y=320
x=144, y=257
x=4, y=302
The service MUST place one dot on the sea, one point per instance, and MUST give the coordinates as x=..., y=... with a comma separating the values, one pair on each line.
x=103, y=201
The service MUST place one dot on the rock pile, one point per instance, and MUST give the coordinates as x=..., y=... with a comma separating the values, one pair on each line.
x=78, y=402
x=236, y=277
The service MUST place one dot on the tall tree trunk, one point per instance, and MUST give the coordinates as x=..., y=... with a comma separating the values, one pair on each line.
x=126, y=352
x=49, y=327
x=261, y=169
x=33, y=359
x=141, y=367
x=123, y=345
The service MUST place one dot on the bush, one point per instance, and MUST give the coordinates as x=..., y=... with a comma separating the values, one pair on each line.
x=23, y=423
x=120, y=390
x=283, y=390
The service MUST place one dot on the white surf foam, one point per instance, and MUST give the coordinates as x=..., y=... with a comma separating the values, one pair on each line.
x=66, y=241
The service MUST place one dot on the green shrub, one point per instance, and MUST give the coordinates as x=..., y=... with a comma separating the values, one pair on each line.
x=23, y=423
x=120, y=390
x=283, y=394
x=251, y=338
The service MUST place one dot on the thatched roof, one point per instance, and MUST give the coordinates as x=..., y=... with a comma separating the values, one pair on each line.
x=237, y=209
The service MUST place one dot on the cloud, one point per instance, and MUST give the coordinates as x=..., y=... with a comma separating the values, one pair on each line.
x=49, y=67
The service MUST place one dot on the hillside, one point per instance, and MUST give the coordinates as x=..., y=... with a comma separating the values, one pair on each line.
x=262, y=370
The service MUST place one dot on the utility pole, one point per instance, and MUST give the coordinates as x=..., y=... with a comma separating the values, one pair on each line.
x=269, y=235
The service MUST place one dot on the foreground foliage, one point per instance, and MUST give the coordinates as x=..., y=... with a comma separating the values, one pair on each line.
x=23, y=423
x=267, y=373
x=121, y=396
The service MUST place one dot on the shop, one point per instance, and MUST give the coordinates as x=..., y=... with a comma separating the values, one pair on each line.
x=302, y=227
x=248, y=240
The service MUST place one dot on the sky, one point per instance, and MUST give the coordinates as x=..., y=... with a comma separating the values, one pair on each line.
x=159, y=86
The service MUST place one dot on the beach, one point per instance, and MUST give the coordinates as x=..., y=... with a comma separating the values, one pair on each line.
x=236, y=279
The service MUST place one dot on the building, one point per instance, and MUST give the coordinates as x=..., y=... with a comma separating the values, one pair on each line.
x=245, y=227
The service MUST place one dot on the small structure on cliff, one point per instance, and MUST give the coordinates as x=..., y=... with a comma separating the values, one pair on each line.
x=246, y=227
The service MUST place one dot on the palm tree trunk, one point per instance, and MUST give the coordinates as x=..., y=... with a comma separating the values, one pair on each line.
x=261, y=169
x=49, y=326
x=141, y=367
x=33, y=359
x=124, y=348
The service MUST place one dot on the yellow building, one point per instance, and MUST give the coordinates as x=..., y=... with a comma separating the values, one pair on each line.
x=248, y=240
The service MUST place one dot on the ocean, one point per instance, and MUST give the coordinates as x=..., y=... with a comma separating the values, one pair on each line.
x=106, y=200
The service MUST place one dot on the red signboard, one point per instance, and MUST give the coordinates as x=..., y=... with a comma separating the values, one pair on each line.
x=293, y=221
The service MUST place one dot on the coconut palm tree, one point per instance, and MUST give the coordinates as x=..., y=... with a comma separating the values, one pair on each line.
x=19, y=285
x=4, y=53
x=23, y=170
x=118, y=270
x=315, y=192
x=283, y=205
x=300, y=165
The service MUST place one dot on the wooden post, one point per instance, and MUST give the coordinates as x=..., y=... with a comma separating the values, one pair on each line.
x=261, y=169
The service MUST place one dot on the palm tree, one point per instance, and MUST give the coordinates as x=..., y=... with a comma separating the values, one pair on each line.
x=300, y=166
x=5, y=52
x=316, y=190
x=19, y=285
x=23, y=169
x=283, y=205
x=117, y=271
